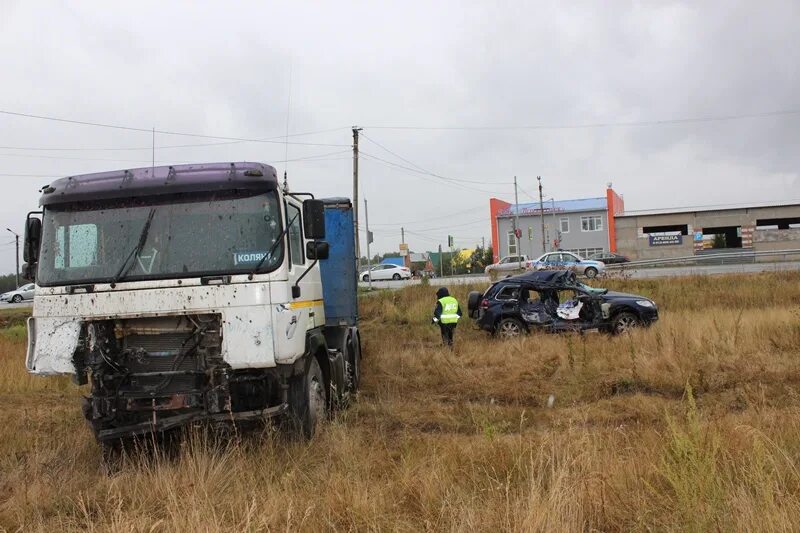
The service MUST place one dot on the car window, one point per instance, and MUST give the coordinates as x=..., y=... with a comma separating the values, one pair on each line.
x=509, y=292
x=295, y=234
x=552, y=258
x=27, y=287
x=570, y=258
x=529, y=296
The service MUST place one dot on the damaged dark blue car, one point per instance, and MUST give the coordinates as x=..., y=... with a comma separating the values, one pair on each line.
x=554, y=300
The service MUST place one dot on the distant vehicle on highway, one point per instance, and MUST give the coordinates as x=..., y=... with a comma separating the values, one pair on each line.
x=386, y=272
x=18, y=295
x=508, y=264
x=609, y=258
x=561, y=260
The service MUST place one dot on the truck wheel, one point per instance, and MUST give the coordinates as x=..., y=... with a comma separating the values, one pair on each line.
x=590, y=272
x=624, y=322
x=353, y=355
x=18, y=298
x=308, y=400
x=509, y=328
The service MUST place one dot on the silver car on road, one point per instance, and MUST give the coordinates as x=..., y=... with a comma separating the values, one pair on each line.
x=18, y=295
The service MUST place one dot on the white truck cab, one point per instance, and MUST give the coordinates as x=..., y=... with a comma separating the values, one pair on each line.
x=193, y=293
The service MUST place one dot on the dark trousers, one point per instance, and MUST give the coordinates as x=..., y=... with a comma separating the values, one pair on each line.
x=448, y=330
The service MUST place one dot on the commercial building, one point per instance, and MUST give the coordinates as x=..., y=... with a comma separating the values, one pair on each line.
x=589, y=225
x=665, y=233
x=584, y=226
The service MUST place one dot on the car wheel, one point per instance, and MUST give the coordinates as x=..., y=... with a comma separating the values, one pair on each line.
x=364, y=278
x=17, y=298
x=509, y=328
x=396, y=277
x=590, y=272
x=624, y=322
x=308, y=400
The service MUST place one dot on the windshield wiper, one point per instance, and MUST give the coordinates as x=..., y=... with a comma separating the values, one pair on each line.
x=274, y=245
x=125, y=267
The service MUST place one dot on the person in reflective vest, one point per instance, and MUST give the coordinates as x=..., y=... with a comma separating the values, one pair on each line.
x=446, y=314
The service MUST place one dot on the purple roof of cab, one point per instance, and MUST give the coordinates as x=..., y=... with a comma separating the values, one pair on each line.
x=152, y=181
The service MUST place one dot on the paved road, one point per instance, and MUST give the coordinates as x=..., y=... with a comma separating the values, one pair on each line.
x=4, y=305
x=663, y=272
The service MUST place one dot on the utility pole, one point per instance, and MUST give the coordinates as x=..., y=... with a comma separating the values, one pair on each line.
x=402, y=235
x=516, y=223
x=441, y=269
x=556, y=229
x=541, y=210
x=16, y=239
x=356, y=129
x=369, y=240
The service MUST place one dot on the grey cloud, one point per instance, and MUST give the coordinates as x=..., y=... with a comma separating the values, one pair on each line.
x=224, y=70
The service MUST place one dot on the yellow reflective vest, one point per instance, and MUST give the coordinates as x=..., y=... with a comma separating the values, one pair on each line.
x=449, y=310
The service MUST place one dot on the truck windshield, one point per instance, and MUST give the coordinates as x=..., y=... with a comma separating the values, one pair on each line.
x=215, y=234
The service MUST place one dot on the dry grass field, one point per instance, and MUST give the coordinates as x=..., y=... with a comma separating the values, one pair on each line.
x=691, y=425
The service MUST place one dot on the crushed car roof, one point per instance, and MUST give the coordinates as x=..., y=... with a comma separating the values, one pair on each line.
x=545, y=277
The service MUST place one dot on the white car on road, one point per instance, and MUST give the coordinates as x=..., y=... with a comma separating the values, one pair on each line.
x=508, y=264
x=561, y=260
x=386, y=272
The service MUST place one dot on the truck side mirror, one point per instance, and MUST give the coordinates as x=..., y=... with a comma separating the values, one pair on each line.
x=28, y=271
x=33, y=238
x=314, y=219
x=317, y=250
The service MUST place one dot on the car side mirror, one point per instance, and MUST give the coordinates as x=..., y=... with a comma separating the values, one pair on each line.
x=33, y=238
x=317, y=250
x=314, y=219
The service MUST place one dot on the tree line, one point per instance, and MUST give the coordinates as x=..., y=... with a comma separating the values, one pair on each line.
x=454, y=262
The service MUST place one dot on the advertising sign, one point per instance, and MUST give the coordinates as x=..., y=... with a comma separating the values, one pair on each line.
x=665, y=240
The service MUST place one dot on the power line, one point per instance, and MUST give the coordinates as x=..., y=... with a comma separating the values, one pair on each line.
x=424, y=170
x=397, y=166
x=111, y=159
x=426, y=219
x=148, y=148
x=662, y=122
x=162, y=132
x=471, y=222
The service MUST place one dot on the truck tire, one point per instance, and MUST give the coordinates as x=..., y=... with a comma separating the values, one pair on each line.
x=353, y=358
x=308, y=400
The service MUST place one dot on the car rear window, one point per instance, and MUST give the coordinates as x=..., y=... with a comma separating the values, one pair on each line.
x=509, y=292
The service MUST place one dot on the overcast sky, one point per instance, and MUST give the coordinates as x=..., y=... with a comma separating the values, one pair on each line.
x=401, y=71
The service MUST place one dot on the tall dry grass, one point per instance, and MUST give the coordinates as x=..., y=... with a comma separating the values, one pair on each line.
x=692, y=425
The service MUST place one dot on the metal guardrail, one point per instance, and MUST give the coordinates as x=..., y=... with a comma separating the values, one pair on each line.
x=717, y=258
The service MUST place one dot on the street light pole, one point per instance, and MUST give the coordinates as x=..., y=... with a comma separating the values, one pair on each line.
x=16, y=239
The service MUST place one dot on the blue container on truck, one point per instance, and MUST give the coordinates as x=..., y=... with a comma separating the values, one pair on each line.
x=338, y=272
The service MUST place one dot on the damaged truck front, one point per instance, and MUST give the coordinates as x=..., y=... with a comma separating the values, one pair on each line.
x=193, y=293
